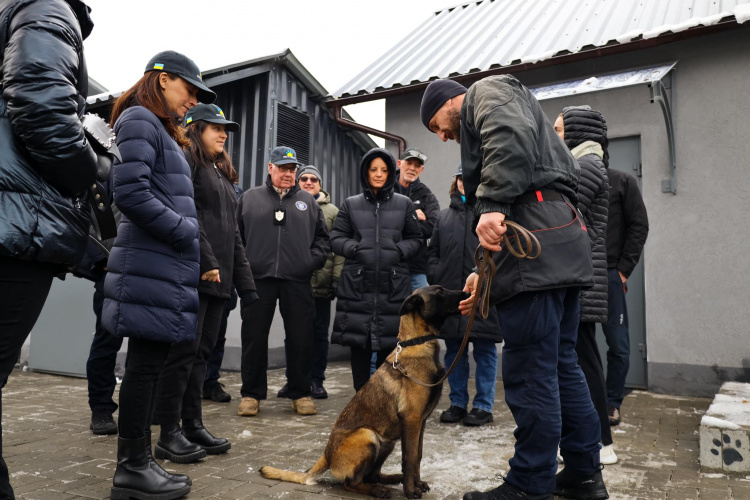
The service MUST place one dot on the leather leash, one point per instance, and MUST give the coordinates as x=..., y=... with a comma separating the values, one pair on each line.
x=525, y=242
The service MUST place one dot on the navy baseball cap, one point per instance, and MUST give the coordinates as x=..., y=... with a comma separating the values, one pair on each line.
x=178, y=64
x=210, y=113
x=283, y=155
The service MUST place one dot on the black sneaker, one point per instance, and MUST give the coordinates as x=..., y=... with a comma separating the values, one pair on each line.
x=477, y=417
x=102, y=423
x=614, y=415
x=452, y=415
x=572, y=485
x=283, y=392
x=216, y=393
x=506, y=491
x=318, y=391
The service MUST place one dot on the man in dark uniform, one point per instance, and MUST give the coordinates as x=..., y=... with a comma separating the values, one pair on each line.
x=515, y=166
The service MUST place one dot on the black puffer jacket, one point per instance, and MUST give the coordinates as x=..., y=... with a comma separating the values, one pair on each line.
x=451, y=254
x=221, y=242
x=425, y=201
x=586, y=136
x=627, y=228
x=377, y=234
x=46, y=162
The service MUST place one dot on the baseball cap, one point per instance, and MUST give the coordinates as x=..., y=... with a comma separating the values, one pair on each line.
x=458, y=172
x=210, y=113
x=283, y=155
x=413, y=153
x=178, y=64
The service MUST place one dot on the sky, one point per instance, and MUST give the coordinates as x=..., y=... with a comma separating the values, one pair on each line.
x=333, y=39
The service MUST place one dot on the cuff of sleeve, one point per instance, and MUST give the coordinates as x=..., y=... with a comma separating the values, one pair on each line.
x=483, y=206
x=248, y=297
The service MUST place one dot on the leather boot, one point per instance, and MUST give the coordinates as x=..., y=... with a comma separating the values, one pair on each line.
x=135, y=479
x=175, y=447
x=158, y=468
x=194, y=431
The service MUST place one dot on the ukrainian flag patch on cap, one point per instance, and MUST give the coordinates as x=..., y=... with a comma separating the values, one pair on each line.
x=189, y=119
x=290, y=154
x=158, y=65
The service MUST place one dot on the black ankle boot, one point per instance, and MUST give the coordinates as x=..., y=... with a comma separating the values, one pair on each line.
x=135, y=479
x=194, y=431
x=175, y=447
x=572, y=485
x=156, y=467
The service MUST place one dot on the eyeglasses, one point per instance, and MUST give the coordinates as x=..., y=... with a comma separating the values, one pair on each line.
x=286, y=168
x=311, y=178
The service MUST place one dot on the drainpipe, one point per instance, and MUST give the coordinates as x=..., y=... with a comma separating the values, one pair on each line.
x=368, y=130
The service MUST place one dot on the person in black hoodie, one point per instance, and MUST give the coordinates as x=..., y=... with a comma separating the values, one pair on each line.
x=454, y=242
x=46, y=164
x=584, y=131
x=377, y=232
x=222, y=262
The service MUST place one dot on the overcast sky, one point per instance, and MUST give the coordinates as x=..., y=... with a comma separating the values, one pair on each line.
x=333, y=39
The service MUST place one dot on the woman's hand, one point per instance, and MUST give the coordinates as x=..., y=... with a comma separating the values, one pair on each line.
x=471, y=286
x=212, y=275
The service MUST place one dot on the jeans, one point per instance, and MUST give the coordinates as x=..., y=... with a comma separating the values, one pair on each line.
x=361, y=360
x=297, y=307
x=485, y=356
x=213, y=363
x=591, y=365
x=618, y=339
x=180, y=384
x=100, y=367
x=545, y=389
x=24, y=287
x=418, y=281
x=320, y=340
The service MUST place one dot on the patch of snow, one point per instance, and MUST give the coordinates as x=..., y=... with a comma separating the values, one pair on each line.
x=246, y=434
x=626, y=37
x=715, y=475
x=742, y=13
x=717, y=422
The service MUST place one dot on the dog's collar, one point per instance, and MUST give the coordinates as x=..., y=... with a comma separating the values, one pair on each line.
x=417, y=340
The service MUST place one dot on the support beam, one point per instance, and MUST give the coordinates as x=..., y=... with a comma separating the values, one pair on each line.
x=659, y=94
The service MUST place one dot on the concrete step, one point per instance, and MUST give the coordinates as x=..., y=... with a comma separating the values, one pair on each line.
x=725, y=430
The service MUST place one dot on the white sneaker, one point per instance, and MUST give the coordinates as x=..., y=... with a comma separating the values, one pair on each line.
x=559, y=457
x=607, y=455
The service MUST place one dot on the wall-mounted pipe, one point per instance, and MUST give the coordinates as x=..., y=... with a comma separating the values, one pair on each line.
x=363, y=128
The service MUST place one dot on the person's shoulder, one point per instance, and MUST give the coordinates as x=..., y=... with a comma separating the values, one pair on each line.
x=55, y=13
x=138, y=113
x=400, y=199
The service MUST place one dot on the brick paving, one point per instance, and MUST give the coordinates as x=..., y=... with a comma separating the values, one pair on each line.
x=52, y=454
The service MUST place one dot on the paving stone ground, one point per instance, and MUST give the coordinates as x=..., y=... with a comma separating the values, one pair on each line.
x=52, y=454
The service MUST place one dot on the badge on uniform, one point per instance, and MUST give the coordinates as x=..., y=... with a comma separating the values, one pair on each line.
x=279, y=217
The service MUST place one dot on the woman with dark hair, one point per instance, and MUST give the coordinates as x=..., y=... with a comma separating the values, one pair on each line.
x=377, y=232
x=150, y=290
x=222, y=262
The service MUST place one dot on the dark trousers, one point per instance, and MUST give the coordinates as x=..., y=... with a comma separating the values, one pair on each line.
x=213, y=363
x=297, y=307
x=320, y=339
x=618, y=339
x=591, y=365
x=361, y=360
x=146, y=359
x=100, y=367
x=181, y=382
x=545, y=388
x=24, y=287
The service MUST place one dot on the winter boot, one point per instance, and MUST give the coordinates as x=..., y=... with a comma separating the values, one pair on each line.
x=102, y=423
x=175, y=447
x=135, y=478
x=506, y=491
x=578, y=487
x=158, y=468
x=194, y=431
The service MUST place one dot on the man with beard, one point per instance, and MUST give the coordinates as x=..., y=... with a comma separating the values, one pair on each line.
x=515, y=166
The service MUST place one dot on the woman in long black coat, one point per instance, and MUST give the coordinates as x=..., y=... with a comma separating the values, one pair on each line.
x=377, y=231
x=451, y=257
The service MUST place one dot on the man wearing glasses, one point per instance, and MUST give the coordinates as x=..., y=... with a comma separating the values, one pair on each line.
x=285, y=237
x=411, y=166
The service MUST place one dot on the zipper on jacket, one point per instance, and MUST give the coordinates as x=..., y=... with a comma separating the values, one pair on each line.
x=278, y=245
x=377, y=267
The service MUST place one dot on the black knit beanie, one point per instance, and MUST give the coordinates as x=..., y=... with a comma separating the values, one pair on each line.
x=437, y=94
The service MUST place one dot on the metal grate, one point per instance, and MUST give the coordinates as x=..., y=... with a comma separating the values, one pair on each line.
x=293, y=130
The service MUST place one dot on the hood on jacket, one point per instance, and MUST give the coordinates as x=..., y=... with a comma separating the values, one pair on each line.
x=582, y=124
x=323, y=197
x=82, y=12
x=387, y=191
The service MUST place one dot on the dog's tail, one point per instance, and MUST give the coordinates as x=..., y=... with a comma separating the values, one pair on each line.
x=296, y=477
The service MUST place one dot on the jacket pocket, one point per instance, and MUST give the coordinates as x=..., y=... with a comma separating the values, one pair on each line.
x=400, y=284
x=351, y=283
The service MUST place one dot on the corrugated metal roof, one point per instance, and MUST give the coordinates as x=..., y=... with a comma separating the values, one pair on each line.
x=490, y=34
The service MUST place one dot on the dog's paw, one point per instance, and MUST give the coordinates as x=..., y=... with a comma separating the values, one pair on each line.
x=413, y=493
x=381, y=492
x=423, y=486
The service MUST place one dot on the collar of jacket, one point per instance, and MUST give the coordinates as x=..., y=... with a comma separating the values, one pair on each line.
x=292, y=190
x=323, y=197
x=588, y=148
x=82, y=12
x=406, y=191
x=456, y=201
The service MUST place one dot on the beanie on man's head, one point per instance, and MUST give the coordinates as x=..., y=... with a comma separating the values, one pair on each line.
x=310, y=169
x=436, y=94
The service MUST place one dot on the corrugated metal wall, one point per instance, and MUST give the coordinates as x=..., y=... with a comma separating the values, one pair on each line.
x=250, y=102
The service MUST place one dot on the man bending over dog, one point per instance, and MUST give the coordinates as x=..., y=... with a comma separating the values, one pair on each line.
x=389, y=407
x=515, y=166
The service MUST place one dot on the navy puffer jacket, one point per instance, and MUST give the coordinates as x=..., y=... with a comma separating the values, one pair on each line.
x=586, y=136
x=150, y=291
x=46, y=162
x=377, y=234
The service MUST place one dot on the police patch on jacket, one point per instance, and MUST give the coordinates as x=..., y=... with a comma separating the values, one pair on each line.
x=301, y=205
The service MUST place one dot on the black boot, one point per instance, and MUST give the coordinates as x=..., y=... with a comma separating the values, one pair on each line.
x=135, y=479
x=173, y=446
x=155, y=465
x=506, y=491
x=194, y=431
x=572, y=485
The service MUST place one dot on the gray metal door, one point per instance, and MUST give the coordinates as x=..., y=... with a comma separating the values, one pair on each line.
x=625, y=155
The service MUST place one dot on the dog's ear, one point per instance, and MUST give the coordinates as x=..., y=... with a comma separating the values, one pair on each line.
x=411, y=304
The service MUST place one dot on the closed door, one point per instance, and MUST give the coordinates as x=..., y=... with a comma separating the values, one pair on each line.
x=625, y=155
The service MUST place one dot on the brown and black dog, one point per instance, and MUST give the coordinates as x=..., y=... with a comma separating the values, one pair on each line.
x=389, y=408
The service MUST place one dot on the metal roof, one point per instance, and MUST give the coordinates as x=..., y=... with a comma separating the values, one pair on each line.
x=490, y=34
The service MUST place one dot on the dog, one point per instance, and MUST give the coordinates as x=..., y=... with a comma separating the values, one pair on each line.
x=389, y=408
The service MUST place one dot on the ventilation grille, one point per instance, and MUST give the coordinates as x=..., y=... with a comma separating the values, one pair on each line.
x=293, y=130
